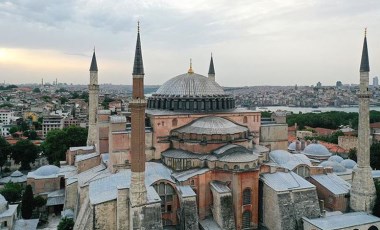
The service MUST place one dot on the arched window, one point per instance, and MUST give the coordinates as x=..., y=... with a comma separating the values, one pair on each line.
x=225, y=167
x=247, y=194
x=166, y=193
x=245, y=119
x=174, y=122
x=247, y=219
x=246, y=167
x=236, y=167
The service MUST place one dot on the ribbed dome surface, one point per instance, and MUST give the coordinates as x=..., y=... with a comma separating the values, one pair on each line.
x=316, y=150
x=190, y=84
x=46, y=170
x=212, y=125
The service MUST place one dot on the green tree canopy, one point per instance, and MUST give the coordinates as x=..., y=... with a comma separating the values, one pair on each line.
x=24, y=151
x=66, y=224
x=39, y=201
x=27, y=205
x=57, y=142
x=5, y=150
x=11, y=192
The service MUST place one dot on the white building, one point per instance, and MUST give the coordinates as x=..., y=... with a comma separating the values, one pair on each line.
x=7, y=117
x=50, y=123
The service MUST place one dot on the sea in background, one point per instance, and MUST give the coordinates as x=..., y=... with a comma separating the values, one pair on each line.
x=313, y=110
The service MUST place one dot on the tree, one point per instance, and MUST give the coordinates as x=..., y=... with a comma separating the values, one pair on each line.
x=11, y=192
x=57, y=142
x=32, y=135
x=63, y=100
x=375, y=155
x=39, y=201
x=66, y=224
x=5, y=150
x=24, y=151
x=352, y=154
x=27, y=205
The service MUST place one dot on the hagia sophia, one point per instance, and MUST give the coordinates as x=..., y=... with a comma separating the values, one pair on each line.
x=187, y=158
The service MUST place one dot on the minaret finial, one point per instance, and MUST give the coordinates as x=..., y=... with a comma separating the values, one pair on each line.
x=365, y=32
x=138, y=26
x=191, y=67
x=94, y=48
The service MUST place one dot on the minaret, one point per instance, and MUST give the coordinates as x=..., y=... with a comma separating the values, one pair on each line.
x=137, y=106
x=363, y=193
x=93, y=96
x=211, y=70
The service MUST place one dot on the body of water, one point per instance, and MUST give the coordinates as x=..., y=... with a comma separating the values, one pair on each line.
x=313, y=110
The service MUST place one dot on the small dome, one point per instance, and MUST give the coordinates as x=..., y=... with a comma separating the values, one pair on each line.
x=336, y=158
x=190, y=84
x=17, y=174
x=316, y=150
x=337, y=167
x=348, y=163
x=3, y=204
x=46, y=170
x=280, y=156
x=292, y=146
x=212, y=125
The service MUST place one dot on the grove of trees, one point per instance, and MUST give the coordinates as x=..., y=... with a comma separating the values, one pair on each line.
x=24, y=152
x=58, y=141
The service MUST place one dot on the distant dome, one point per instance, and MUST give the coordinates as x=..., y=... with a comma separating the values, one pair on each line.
x=46, y=170
x=212, y=125
x=190, y=84
x=17, y=174
x=348, y=163
x=292, y=146
x=280, y=156
x=316, y=150
x=336, y=158
x=3, y=204
x=337, y=167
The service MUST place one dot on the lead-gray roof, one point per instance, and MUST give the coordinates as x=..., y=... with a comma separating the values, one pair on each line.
x=376, y=174
x=364, y=64
x=190, y=84
x=316, y=150
x=185, y=175
x=333, y=183
x=285, y=181
x=347, y=220
x=209, y=224
x=105, y=189
x=22, y=224
x=220, y=187
x=46, y=171
x=212, y=125
x=186, y=191
x=83, y=157
x=15, y=177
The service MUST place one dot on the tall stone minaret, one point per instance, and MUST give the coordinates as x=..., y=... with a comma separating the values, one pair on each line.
x=137, y=106
x=93, y=97
x=363, y=193
x=211, y=70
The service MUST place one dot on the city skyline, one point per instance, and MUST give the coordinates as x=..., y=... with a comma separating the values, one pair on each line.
x=261, y=43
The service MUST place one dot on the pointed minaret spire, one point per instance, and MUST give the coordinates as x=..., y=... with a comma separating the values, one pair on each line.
x=364, y=65
x=191, y=71
x=94, y=66
x=138, y=66
x=211, y=70
x=363, y=192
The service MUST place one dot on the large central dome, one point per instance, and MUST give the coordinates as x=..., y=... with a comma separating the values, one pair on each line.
x=190, y=84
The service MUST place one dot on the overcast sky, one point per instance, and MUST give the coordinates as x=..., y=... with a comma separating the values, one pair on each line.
x=254, y=42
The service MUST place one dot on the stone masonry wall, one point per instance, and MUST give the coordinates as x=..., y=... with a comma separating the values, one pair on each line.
x=105, y=215
x=189, y=214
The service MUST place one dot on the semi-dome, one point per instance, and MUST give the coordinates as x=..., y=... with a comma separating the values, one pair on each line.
x=190, y=84
x=348, y=163
x=212, y=125
x=46, y=170
x=336, y=158
x=337, y=167
x=317, y=150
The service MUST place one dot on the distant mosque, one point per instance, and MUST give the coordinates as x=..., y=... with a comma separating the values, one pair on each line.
x=186, y=158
